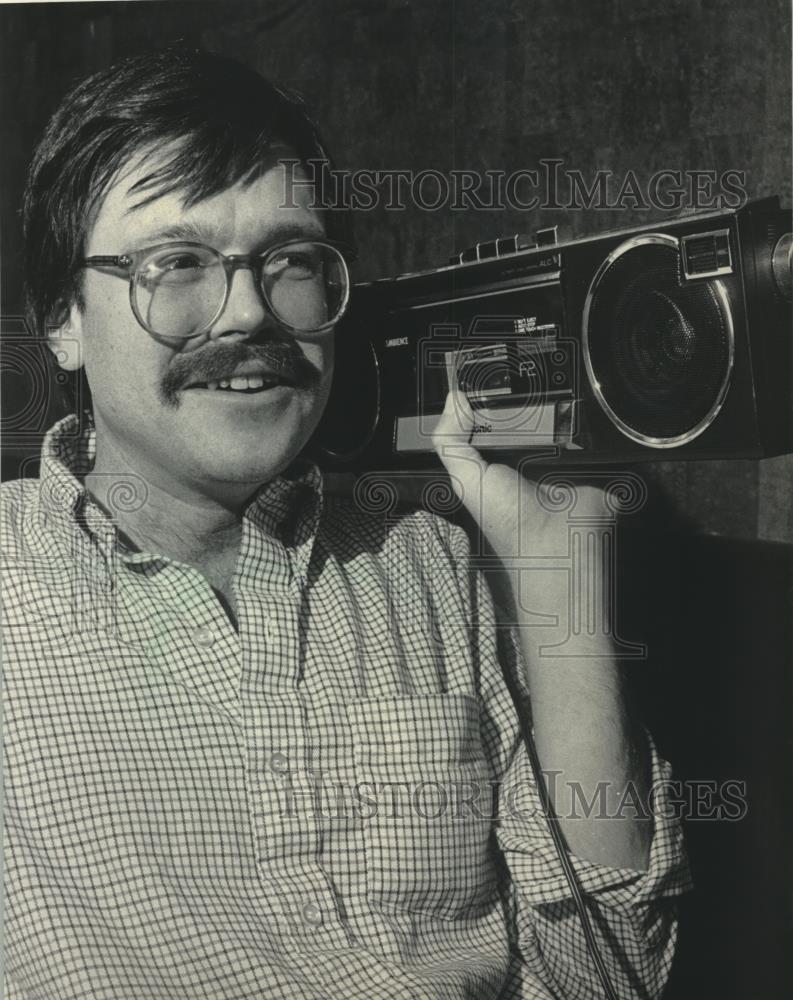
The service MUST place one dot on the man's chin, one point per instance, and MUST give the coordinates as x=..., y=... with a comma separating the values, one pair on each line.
x=239, y=467
x=231, y=453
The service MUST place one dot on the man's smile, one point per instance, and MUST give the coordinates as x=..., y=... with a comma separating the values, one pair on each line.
x=242, y=391
x=240, y=370
x=248, y=378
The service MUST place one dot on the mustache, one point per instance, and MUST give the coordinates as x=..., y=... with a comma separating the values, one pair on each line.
x=213, y=362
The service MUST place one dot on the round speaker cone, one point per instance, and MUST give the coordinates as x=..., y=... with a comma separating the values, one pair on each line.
x=658, y=352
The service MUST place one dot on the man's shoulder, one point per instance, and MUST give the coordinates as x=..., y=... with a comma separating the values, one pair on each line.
x=26, y=540
x=19, y=502
x=13, y=488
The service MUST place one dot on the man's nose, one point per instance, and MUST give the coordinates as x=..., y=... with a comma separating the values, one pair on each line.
x=244, y=313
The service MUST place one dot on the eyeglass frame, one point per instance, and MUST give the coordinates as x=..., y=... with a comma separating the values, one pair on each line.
x=255, y=262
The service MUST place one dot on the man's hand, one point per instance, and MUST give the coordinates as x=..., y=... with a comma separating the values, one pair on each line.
x=526, y=524
x=581, y=724
x=516, y=515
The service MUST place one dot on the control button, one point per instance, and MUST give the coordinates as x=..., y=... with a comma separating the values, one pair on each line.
x=506, y=244
x=546, y=237
x=204, y=637
x=312, y=914
x=279, y=763
x=486, y=250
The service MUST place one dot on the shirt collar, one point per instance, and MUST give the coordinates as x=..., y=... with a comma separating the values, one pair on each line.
x=287, y=508
x=67, y=454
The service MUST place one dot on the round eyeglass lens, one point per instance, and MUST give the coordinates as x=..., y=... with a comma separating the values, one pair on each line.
x=306, y=285
x=179, y=290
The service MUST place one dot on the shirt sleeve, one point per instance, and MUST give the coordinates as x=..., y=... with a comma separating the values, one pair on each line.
x=633, y=913
x=11, y=991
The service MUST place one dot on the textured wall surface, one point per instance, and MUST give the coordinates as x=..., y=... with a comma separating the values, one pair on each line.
x=496, y=85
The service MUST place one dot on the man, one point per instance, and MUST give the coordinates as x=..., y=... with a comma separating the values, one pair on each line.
x=253, y=734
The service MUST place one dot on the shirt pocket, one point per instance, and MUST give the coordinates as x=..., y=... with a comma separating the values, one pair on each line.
x=428, y=815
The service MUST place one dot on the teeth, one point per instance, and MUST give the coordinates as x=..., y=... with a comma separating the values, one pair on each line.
x=241, y=382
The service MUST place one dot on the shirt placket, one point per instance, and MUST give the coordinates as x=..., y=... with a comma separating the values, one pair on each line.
x=190, y=637
x=285, y=818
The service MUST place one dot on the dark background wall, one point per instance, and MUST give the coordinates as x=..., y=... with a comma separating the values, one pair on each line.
x=618, y=84
x=476, y=84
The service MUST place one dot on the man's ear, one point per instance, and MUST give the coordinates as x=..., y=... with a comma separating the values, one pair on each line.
x=65, y=336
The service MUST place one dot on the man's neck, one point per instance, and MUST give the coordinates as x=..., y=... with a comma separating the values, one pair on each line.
x=190, y=532
x=189, y=525
x=198, y=532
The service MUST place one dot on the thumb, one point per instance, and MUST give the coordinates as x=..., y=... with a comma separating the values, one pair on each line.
x=490, y=492
x=452, y=442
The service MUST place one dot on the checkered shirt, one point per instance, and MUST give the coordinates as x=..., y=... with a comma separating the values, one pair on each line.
x=301, y=807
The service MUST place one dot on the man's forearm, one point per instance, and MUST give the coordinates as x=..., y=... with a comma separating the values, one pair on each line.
x=588, y=747
x=581, y=725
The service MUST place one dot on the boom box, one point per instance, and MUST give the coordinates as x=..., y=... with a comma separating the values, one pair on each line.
x=666, y=341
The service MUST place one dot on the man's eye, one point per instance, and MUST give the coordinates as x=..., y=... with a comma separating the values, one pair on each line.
x=179, y=262
x=174, y=269
x=296, y=264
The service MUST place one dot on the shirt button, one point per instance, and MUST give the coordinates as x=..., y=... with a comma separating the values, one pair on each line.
x=278, y=762
x=268, y=630
x=312, y=914
x=204, y=637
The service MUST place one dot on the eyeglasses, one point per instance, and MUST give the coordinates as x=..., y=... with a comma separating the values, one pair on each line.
x=180, y=289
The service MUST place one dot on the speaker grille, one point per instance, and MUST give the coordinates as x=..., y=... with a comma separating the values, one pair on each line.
x=658, y=352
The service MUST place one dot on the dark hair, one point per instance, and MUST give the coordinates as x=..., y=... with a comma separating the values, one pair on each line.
x=213, y=118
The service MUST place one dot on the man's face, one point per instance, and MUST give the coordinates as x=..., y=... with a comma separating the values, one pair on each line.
x=150, y=415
